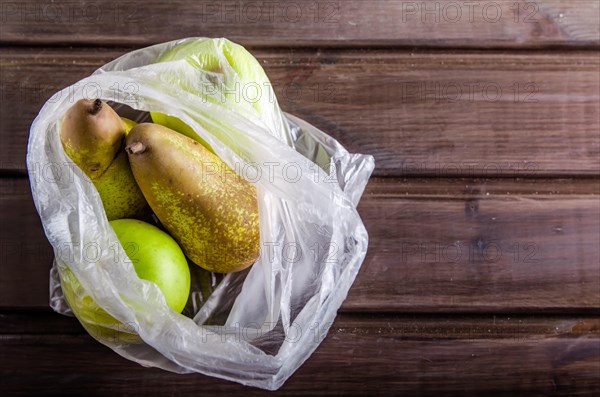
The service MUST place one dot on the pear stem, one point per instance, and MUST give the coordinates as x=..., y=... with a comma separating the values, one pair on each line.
x=135, y=148
x=95, y=108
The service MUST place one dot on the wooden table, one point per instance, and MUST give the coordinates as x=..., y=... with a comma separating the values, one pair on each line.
x=483, y=273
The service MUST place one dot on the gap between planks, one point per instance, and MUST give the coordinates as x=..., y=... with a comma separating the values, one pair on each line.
x=27, y=323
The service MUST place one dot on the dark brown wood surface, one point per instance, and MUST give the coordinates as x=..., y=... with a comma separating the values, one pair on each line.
x=437, y=114
x=365, y=354
x=356, y=23
x=483, y=270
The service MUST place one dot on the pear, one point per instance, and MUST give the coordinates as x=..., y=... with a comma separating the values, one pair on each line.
x=128, y=124
x=176, y=124
x=208, y=209
x=92, y=135
x=120, y=194
x=95, y=320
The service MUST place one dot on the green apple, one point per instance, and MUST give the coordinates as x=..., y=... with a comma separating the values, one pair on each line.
x=156, y=257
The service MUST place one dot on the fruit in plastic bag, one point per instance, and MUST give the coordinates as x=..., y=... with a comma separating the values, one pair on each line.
x=287, y=302
x=231, y=77
x=92, y=135
x=156, y=257
x=210, y=210
x=96, y=320
x=118, y=191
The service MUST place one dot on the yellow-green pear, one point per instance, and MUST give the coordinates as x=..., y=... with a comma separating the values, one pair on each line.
x=176, y=124
x=210, y=210
x=96, y=320
x=92, y=135
x=128, y=124
x=120, y=194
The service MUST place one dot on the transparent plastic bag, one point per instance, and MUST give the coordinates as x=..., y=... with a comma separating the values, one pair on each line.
x=255, y=327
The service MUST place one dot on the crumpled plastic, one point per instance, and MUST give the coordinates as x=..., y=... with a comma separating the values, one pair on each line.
x=255, y=327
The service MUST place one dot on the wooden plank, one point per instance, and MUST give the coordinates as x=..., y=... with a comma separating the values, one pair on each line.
x=499, y=23
x=436, y=114
x=383, y=356
x=441, y=114
x=479, y=248
x=25, y=254
x=435, y=246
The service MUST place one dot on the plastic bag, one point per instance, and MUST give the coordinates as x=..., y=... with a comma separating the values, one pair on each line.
x=255, y=327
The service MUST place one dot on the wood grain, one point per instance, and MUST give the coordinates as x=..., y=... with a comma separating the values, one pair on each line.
x=455, y=245
x=479, y=249
x=368, y=355
x=25, y=254
x=482, y=275
x=445, y=23
x=424, y=114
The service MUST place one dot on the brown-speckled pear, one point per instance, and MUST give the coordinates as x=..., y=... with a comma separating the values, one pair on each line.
x=92, y=134
x=210, y=210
